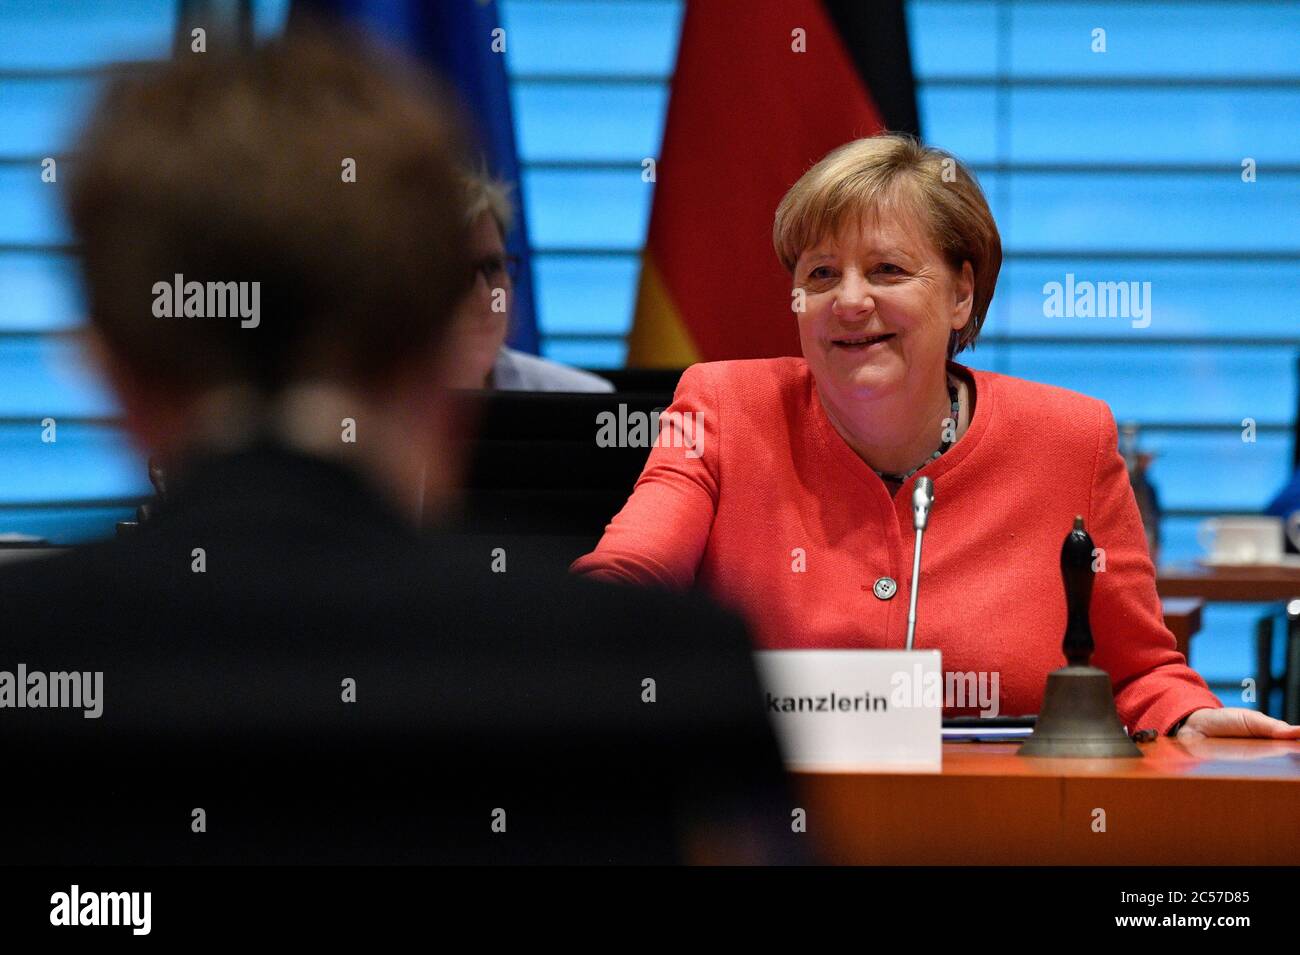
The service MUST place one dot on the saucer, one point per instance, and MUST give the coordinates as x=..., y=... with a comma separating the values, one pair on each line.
x=1291, y=561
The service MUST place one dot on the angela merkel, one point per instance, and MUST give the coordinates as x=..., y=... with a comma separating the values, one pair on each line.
x=797, y=510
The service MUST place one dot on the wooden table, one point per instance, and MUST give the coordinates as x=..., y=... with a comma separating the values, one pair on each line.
x=1209, y=802
x=1247, y=585
x=1183, y=618
x=1240, y=584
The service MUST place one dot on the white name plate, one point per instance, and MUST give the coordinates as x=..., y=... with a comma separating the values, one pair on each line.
x=853, y=710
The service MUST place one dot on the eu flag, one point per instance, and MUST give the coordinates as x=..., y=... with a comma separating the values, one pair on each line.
x=461, y=40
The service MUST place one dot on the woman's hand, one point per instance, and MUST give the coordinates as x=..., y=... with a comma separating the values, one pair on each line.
x=1234, y=721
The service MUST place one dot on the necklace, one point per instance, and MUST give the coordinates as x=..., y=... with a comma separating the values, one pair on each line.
x=944, y=445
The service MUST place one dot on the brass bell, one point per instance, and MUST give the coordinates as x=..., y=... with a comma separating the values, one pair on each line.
x=1078, y=717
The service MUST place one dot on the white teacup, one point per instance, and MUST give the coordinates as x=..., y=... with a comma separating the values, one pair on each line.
x=1248, y=540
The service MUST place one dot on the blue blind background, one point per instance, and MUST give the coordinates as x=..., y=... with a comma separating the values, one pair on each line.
x=51, y=58
x=1115, y=166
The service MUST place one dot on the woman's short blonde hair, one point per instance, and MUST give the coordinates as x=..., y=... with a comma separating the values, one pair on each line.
x=486, y=194
x=866, y=176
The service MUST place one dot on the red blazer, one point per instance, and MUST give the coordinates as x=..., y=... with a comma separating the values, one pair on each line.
x=777, y=517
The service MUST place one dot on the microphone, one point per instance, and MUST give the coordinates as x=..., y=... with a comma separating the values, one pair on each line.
x=922, y=501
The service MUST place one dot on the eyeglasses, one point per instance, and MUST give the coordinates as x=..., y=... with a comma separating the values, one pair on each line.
x=495, y=269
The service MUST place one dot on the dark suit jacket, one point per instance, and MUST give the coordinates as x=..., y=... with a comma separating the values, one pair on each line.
x=482, y=699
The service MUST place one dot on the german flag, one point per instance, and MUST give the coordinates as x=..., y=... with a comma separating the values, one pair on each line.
x=762, y=90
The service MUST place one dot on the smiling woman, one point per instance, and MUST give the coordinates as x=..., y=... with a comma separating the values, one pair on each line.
x=798, y=512
x=897, y=256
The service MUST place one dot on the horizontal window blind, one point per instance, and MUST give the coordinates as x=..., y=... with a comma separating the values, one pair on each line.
x=52, y=57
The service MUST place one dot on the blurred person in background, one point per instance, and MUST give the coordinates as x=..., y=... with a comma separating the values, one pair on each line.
x=488, y=363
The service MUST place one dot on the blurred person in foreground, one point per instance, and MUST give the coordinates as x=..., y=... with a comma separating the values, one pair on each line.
x=290, y=672
x=793, y=499
x=488, y=363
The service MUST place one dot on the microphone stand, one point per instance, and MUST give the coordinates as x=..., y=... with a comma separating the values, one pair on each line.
x=922, y=501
